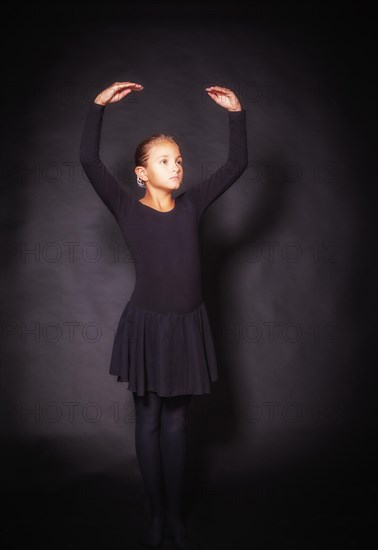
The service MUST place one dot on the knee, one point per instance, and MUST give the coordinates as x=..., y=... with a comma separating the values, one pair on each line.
x=173, y=426
x=148, y=426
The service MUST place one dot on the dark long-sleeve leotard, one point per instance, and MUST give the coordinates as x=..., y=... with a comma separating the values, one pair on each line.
x=164, y=246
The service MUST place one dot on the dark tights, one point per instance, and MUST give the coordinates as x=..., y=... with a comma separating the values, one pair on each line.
x=160, y=442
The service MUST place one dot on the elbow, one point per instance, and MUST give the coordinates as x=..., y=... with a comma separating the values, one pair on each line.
x=85, y=159
x=238, y=159
x=86, y=154
x=244, y=162
x=245, y=157
x=88, y=164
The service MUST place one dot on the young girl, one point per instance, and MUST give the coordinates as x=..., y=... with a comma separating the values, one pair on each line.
x=163, y=345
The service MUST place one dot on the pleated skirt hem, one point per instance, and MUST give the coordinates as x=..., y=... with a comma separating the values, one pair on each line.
x=167, y=353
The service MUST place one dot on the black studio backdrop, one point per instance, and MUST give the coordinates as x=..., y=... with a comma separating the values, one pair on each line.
x=281, y=453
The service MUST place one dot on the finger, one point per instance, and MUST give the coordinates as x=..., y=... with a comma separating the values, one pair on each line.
x=219, y=94
x=116, y=91
x=118, y=85
x=124, y=93
x=215, y=97
x=220, y=89
x=131, y=84
x=123, y=82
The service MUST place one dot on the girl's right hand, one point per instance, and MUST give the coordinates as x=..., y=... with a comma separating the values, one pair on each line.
x=116, y=92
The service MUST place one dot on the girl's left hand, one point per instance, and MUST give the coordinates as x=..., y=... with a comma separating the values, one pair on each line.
x=224, y=97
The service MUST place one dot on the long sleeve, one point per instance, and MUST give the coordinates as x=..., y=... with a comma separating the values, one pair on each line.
x=211, y=188
x=107, y=188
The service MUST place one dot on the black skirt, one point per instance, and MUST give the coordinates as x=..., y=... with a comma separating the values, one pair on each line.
x=167, y=353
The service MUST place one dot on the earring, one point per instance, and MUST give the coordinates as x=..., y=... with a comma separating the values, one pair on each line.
x=140, y=182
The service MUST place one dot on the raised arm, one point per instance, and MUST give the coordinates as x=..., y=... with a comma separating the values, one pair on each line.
x=107, y=188
x=211, y=188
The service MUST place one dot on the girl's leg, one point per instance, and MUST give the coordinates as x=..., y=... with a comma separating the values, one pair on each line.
x=173, y=449
x=147, y=445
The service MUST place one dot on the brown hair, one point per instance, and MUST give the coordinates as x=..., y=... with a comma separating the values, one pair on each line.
x=143, y=150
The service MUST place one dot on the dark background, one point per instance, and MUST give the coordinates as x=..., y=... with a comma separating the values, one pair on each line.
x=282, y=453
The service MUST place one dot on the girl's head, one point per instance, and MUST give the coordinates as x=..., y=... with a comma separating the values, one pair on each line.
x=158, y=162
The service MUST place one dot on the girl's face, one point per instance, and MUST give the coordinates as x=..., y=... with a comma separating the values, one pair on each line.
x=164, y=166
